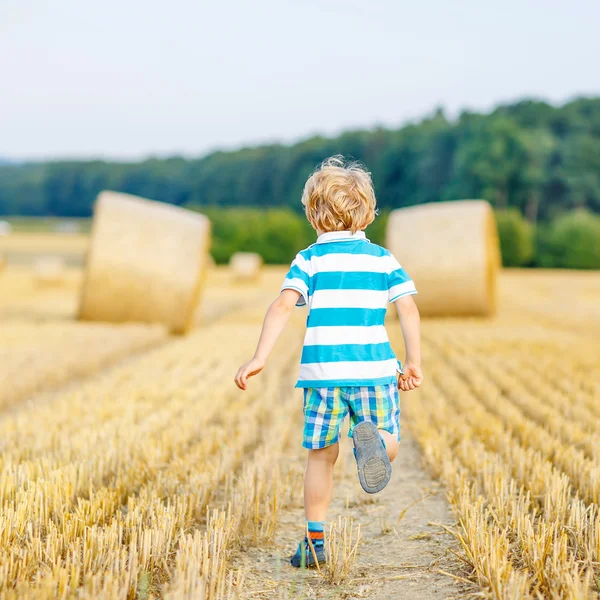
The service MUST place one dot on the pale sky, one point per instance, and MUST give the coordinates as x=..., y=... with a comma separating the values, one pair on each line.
x=127, y=79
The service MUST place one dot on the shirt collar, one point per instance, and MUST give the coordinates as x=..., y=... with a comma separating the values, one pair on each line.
x=340, y=236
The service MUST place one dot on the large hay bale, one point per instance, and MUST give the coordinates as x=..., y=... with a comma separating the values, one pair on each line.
x=245, y=266
x=451, y=251
x=145, y=262
x=49, y=270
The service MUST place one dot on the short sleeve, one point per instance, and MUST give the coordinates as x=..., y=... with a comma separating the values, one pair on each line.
x=399, y=282
x=298, y=278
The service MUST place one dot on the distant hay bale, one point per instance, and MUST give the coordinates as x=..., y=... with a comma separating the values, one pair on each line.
x=5, y=228
x=2, y=261
x=145, y=262
x=67, y=227
x=245, y=266
x=49, y=270
x=451, y=251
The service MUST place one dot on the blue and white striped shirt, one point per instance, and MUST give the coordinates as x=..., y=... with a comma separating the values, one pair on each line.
x=346, y=281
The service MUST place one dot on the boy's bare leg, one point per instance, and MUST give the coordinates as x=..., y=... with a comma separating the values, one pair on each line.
x=318, y=482
x=318, y=486
x=391, y=444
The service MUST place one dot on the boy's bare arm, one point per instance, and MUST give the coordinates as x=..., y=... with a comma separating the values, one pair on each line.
x=410, y=322
x=275, y=320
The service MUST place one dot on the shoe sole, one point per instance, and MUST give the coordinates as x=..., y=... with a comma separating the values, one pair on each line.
x=374, y=467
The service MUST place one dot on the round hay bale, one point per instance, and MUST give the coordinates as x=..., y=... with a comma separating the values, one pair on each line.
x=245, y=266
x=145, y=262
x=5, y=228
x=451, y=250
x=49, y=270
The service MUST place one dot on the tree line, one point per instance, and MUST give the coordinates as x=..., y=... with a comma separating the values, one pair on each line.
x=529, y=155
x=529, y=159
x=569, y=241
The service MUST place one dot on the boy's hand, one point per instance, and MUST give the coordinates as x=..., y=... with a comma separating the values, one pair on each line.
x=249, y=369
x=277, y=316
x=412, y=377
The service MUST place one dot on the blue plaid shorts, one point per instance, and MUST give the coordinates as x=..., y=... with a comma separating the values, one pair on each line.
x=326, y=408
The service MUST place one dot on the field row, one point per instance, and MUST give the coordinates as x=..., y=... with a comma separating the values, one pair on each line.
x=43, y=346
x=509, y=419
x=143, y=480
x=105, y=484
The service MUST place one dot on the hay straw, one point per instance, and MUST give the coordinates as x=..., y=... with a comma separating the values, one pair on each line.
x=110, y=485
x=245, y=266
x=451, y=251
x=145, y=262
x=342, y=546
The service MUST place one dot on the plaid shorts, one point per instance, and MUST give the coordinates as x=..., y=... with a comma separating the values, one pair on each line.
x=326, y=408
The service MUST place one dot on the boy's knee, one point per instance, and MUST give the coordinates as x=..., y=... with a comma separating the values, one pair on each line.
x=391, y=444
x=392, y=451
x=328, y=454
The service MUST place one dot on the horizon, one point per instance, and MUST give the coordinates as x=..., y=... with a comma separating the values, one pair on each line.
x=8, y=160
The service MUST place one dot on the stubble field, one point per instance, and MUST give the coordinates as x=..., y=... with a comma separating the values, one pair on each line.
x=131, y=466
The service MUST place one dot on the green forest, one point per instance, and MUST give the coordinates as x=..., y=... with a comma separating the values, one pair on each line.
x=538, y=164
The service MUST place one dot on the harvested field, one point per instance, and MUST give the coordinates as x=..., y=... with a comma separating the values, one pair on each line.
x=24, y=247
x=154, y=477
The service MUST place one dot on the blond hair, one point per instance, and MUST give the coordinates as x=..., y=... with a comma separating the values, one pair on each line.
x=339, y=196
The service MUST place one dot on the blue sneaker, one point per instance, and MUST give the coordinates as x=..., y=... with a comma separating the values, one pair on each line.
x=304, y=557
x=374, y=467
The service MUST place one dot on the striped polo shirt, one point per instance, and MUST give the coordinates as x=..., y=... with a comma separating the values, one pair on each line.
x=346, y=282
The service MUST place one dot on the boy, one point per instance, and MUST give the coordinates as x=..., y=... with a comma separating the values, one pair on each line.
x=347, y=364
